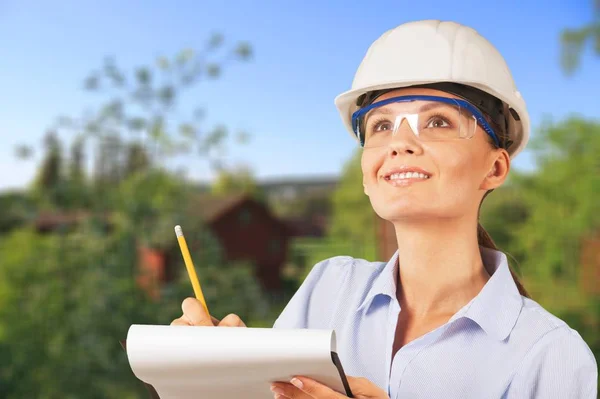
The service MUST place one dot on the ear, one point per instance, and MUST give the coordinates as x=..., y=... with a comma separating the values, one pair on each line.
x=498, y=171
x=365, y=187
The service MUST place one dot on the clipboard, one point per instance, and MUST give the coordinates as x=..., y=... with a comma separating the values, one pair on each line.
x=151, y=391
x=343, y=385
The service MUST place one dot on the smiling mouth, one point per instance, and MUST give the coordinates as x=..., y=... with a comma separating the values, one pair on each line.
x=403, y=179
x=407, y=176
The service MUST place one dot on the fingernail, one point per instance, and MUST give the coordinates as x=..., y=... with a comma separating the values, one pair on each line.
x=297, y=383
x=276, y=390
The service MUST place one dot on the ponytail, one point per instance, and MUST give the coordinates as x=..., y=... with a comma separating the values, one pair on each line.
x=484, y=240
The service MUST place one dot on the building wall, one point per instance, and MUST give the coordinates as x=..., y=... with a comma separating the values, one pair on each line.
x=249, y=233
x=590, y=263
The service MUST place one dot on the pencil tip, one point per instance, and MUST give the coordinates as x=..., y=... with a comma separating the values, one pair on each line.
x=178, y=231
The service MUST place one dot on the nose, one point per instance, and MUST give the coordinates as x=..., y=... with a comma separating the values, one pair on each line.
x=404, y=141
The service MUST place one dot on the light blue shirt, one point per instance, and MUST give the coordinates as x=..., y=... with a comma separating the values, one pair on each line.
x=499, y=345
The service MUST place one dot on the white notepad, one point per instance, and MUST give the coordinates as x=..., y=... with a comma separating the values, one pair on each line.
x=184, y=362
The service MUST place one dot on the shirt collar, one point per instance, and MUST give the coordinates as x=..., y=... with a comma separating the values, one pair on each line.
x=497, y=306
x=495, y=309
x=384, y=283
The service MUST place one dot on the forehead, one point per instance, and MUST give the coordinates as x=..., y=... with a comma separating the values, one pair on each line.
x=410, y=91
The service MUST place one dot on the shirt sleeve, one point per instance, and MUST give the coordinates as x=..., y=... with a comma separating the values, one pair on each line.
x=560, y=365
x=316, y=297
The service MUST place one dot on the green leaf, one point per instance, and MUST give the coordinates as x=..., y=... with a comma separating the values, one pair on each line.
x=163, y=63
x=91, y=83
x=24, y=152
x=137, y=124
x=185, y=56
x=166, y=95
x=213, y=70
x=244, y=51
x=157, y=132
x=113, y=109
x=187, y=130
x=215, y=41
x=143, y=76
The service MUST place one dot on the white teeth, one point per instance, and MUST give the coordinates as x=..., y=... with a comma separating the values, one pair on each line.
x=408, y=175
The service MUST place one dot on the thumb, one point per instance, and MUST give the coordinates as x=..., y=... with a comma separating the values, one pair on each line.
x=195, y=313
x=362, y=387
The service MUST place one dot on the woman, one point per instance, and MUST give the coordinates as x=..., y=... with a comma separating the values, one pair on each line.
x=439, y=118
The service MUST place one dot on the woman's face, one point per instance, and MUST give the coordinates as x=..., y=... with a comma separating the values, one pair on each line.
x=458, y=171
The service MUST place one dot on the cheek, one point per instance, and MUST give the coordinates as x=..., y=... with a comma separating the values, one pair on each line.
x=459, y=177
x=370, y=163
x=456, y=167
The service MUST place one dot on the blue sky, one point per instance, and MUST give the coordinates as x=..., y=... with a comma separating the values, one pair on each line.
x=306, y=52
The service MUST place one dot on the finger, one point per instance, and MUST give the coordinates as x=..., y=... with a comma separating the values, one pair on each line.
x=194, y=311
x=287, y=390
x=180, y=322
x=314, y=389
x=232, y=320
x=363, y=387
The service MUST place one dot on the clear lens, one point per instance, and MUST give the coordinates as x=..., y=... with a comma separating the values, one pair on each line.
x=428, y=120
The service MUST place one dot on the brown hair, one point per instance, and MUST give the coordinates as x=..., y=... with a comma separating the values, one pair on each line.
x=483, y=238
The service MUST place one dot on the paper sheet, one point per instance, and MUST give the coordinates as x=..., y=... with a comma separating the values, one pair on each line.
x=184, y=362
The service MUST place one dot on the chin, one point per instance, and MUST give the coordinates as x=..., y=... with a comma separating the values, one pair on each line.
x=407, y=207
x=401, y=209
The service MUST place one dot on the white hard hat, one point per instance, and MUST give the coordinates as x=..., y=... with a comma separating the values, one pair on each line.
x=432, y=51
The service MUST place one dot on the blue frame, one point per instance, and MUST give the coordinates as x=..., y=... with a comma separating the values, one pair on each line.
x=454, y=101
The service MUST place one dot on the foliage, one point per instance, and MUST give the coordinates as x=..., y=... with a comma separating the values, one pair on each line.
x=353, y=220
x=574, y=41
x=503, y=212
x=238, y=180
x=139, y=124
x=302, y=207
x=68, y=297
x=66, y=301
x=16, y=210
x=561, y=197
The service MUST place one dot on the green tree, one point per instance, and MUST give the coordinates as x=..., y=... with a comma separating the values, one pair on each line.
x=136, y=160
x=561, y=197
x=503, y=212
x=238, y=180
x=77, y=196
x=142, y=109
x=573, y=41
x=67, y=298
x=353, y=220
x=49, y=185
x=562, y=212
x=17, y=210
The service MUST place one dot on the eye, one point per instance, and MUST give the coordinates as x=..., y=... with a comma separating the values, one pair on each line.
x=437, y=122
x=379, y=125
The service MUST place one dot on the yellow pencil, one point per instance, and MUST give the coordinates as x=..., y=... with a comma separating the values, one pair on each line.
x=190, y=267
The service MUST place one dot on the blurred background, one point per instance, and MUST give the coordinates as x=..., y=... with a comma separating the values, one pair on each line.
x=119, y=121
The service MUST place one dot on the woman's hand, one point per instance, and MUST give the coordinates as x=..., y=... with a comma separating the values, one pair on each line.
x=305, y=388
x=195, y=315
